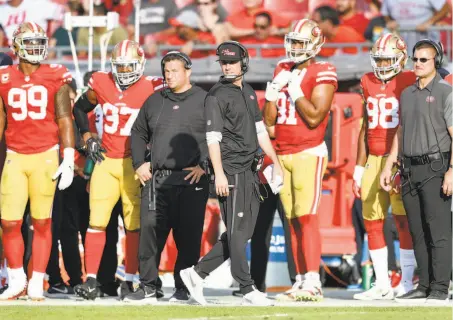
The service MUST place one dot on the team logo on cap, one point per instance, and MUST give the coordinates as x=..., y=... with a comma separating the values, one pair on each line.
x=227, y=52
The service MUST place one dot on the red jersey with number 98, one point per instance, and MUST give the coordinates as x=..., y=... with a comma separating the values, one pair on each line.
x=383, y=109
x=120, y=109
x=30, y=107
x=292, y=134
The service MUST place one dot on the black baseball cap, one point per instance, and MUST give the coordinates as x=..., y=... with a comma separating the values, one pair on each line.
x=229, y=52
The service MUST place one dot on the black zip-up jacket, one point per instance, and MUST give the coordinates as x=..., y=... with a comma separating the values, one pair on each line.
x=174, y=125
x=233, y=112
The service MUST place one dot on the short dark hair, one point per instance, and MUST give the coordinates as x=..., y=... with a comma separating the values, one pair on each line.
x=172, y=58
x=328, y=13
x=264, y=15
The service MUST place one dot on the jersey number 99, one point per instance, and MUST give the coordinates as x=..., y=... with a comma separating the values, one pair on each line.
x=22, y=99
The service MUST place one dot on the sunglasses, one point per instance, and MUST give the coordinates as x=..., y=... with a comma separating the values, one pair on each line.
x=422, y=60
x=260, y=26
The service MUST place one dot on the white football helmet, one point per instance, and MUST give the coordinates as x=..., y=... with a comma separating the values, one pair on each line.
x=392, y=47
x=30, y=42
x=127, y=54
x=310, y=36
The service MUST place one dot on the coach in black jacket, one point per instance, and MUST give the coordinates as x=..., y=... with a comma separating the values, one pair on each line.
x=172, y=122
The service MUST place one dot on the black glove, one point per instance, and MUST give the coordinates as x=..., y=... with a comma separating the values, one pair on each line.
x=94, y=150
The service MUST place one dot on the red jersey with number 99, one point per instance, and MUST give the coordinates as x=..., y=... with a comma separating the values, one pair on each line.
x=120, y=109
x=30, y=107
x=383, y=109
x=292, y=134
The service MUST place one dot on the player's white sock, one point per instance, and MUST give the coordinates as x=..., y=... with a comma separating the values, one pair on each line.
x=38, y=276
x=91, y=275
x=379, y=258
x=408, y=265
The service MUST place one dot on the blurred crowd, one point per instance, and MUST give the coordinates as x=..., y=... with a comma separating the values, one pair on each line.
x=188, y=23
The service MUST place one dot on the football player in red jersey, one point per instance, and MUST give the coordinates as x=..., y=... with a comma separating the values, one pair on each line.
x=298, y=102
x=35, y=105
x=121, y=94
x=381, y=93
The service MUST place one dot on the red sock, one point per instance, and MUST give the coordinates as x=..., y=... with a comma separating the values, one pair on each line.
x=311, y=242
x=132, y=239
x=296, y=246
x=375, y=231
x=94, y=248
x=42, y=243
x=403, y=231
x=13, y=244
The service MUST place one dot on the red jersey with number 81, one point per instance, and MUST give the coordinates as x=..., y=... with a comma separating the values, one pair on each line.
x=292, y=134
x=120, y=109
x=30, y=107
x=383, y=109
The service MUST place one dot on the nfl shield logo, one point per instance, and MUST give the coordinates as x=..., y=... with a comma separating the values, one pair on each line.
x=5, y=77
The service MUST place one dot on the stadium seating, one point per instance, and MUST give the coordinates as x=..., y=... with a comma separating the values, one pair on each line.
x=232, y=6
x=290, y=9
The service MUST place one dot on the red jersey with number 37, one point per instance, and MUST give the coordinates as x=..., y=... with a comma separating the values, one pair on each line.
x=120, y=109
x=292, y=134
x=383, y=109
x=30, y=107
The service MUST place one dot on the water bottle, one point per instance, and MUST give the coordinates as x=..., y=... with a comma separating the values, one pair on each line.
x=88, y=168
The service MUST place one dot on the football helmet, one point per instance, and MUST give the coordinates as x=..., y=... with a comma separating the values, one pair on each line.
x=128, y=62
x=388, y=47
x=308, y=35
x=30, y=42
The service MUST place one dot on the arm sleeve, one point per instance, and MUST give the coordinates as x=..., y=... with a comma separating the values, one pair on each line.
x=80, y=112
x=447, y=111
x=213, y=115
x=140, y=136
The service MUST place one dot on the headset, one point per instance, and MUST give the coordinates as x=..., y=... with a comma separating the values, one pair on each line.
x=184, y=57
x=245, y=54
x=439, y=58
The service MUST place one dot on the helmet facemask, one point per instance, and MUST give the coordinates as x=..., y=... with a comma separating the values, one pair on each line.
x=31, y=48
x=307, y=51
x=126, y=79
x=385, y=73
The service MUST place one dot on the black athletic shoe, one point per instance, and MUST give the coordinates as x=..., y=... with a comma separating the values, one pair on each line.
x=126, y=288
x=88, y=290
x=143, y=292
x=60, y=288
x=180, y=295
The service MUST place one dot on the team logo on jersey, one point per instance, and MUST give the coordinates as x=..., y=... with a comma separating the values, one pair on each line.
x=5, y=77
x=175, y=107
x=252, y=97
x=430, y=99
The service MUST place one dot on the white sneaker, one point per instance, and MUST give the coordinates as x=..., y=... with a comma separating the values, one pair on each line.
x=194, y=284
x=310, y=291
x=288, y=295
x=375, y=293
x=35, y=290
x=256, y=298
x=17, y=285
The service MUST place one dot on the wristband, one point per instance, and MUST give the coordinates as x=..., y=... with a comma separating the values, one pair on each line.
x=358, y=175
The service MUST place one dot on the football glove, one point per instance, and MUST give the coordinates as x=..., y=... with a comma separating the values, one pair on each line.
x=66, y=169
x=277, y=84
x=95, y=149
x=294, y=88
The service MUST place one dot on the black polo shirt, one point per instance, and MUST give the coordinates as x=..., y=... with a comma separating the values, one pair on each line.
x=426, y=115
x=233, y=112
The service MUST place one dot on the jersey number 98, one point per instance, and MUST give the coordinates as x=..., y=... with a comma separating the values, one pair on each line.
x=382, y=112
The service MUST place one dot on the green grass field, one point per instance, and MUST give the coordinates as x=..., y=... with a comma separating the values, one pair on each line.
x=192, y=312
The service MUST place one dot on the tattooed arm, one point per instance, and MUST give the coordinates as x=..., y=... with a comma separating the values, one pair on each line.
x=67, y=139
x=63, y=117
